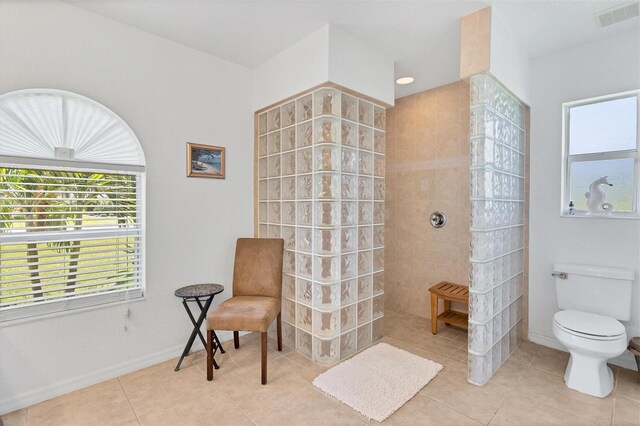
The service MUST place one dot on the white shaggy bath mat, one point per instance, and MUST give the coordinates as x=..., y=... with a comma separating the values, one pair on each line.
x=379, y=380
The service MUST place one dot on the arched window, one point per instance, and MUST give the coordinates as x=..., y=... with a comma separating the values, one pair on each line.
x=71, y=204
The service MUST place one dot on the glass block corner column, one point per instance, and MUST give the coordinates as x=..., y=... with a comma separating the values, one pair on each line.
x=497, y=137
x=321, y=188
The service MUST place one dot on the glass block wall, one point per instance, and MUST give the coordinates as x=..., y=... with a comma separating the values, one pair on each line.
x=321, y=187
x=497, y=138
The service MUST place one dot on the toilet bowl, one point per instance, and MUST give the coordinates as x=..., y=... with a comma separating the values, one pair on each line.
x=592, y=340
x=592, y=299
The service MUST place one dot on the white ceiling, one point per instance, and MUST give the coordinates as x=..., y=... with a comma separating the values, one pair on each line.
x=422, y=37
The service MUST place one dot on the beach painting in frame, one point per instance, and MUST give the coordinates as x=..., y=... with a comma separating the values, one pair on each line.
x=205, y=161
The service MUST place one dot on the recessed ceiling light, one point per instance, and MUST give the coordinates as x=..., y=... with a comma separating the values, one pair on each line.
x=405, y=80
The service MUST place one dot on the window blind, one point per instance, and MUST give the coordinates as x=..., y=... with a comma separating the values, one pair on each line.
x=67, y=236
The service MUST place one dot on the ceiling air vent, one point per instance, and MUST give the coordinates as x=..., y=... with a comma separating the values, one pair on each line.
x=617, y=14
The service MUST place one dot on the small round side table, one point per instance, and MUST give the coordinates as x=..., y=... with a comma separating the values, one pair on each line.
x=199, y=293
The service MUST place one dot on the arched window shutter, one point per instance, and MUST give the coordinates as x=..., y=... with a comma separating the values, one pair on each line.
x=71, y=204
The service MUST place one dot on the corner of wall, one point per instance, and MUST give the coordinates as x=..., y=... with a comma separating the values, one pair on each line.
x=475, y=42
x=508, y=61
x=487, y=45
x=355, y=65
x=326, y=55
x=301, y=66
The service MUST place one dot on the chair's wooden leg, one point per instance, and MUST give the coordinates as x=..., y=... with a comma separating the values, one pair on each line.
x=236, y=339
x=209, y=355
x=279, y=327
x=434, y=313
x=264, y=358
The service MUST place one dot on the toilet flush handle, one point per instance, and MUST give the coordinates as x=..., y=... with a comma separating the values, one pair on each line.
x=561, y=275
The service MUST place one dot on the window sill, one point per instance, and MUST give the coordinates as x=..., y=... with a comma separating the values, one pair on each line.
x=624, y=216
x=28, y=313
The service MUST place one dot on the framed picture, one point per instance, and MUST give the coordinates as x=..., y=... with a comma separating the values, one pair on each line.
x=205, y=161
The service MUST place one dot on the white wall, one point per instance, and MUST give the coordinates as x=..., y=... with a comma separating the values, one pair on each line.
x=509, y=63
x=169, y=94
x=327, y=54
x=294, y=70
x=603, y=67
x=358, y=67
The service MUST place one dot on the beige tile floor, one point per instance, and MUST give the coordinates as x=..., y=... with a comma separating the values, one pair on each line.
x=528, y=390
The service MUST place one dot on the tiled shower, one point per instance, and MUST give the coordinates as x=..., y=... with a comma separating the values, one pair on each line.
x=427, y=170
x=459, y=149
x=321, y=188
x=497, y=151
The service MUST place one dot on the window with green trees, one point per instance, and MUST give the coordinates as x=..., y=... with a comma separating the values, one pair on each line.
x=71, y=205
x=67, y=234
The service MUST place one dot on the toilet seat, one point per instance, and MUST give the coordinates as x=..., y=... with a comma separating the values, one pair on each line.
x=589, y=326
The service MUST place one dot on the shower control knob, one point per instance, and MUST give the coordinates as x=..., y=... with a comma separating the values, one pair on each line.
x=438, y=219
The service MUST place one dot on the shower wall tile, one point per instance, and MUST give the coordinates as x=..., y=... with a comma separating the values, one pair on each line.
x=475, y=42
x=427, y=169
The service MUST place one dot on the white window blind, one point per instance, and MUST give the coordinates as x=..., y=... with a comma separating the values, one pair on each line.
x=68, y=238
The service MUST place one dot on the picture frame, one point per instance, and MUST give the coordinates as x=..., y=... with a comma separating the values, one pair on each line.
x=206, y=161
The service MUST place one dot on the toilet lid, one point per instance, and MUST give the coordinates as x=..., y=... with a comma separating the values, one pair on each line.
x=591, y=324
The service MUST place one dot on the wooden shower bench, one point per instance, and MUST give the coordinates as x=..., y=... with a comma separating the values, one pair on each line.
x=448, y=292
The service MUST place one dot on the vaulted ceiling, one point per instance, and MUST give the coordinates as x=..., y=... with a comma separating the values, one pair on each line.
x=422, y=37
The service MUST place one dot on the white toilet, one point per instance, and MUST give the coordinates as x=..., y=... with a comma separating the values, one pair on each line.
x=592, y=299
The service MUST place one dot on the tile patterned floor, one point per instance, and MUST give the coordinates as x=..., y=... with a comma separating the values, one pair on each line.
x=528, y=390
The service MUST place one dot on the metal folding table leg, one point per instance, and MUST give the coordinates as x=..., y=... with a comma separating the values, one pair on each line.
x=216, y=341
x=196, y=329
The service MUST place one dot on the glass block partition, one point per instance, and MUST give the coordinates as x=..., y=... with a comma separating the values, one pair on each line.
x=321, y=188
x=497, y=138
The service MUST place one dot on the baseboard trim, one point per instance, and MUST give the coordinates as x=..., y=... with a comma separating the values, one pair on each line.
x=547, y=341
x=626, y=360
x=44, y=393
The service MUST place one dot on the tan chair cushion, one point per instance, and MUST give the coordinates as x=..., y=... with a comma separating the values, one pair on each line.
x=251, y=313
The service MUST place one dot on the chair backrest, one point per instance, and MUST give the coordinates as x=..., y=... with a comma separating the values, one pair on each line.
x=257, y=270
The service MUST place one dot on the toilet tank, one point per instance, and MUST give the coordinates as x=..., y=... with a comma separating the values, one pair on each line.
x=596, y=289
